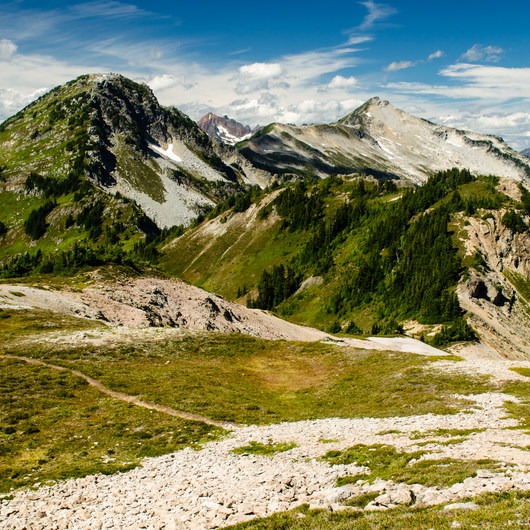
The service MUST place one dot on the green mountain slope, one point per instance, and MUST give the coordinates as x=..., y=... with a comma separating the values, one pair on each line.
x=228, y=253
x=98, y=163
x=113, y=131
x=348, y=254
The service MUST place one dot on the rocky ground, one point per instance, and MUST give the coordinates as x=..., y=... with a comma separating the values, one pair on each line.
x=214, y=487
x=153, y=306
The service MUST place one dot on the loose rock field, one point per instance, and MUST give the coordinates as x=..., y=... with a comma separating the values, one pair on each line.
x=214, y=487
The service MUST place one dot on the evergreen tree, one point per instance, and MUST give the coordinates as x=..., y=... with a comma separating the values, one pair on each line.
x=35, y=225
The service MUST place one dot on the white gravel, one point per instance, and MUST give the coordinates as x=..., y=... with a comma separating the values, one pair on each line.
x=214, y=487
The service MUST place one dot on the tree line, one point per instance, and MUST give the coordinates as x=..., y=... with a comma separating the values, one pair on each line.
x=403, y=261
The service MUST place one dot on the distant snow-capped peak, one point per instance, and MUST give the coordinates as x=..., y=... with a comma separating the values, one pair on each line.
x=224, y=129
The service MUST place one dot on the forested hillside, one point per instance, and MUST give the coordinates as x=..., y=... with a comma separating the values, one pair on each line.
x=357, y=255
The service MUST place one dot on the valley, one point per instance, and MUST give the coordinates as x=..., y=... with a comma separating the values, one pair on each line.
x=333, y=317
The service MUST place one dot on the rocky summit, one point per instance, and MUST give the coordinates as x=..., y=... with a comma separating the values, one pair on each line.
x=114, y=132
x=224, y=129
x=381, y=140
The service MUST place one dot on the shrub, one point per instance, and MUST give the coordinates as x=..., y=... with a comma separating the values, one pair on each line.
x=35, y=225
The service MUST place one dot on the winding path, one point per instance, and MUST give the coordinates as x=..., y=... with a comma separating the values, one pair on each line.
x=134, y=400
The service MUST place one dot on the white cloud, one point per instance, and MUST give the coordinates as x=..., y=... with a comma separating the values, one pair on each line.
x=7, y=49
x=512, y=126
x=340, y=82
x=485, y=83
x=106, y=9
x=490, y=54
x=353, y=40
x=258, y=76
x=165, y=81
x=400, y=65
x=23, y=79
x=267, y=109
x=306, y=68
x=436, y=55
x=376, y=13
x=490, y=82
x=260, y=71
x=12, y=101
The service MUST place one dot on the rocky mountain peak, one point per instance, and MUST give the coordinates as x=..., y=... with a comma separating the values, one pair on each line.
x=224, y=129
x=383, y=140
x=376, y=101
x=113, y=132
x=367, y=111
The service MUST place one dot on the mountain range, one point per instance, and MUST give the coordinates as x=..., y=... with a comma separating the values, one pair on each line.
x=379, y=371
x=380, y=139
x=315, y=222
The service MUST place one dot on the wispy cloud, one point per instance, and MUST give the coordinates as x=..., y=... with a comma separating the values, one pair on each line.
x=400, y=65
x=310, y=65
x=110, y=9
x=404, y=65
x=241, y=52
x=436, y=55
x=490, y=54
x=496, y=82
x=376, y=13
x=486, y=84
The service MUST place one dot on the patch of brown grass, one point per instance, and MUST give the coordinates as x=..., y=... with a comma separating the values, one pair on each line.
x=289, y=373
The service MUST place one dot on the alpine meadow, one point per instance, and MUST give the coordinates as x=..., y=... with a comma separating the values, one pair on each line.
x=320, y=321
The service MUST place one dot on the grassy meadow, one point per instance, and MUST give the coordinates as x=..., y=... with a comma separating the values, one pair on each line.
x=54, y=425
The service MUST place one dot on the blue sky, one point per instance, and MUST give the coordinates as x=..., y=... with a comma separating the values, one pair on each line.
x=464, y=64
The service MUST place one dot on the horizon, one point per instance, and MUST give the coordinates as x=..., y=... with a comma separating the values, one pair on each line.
x=283, y=64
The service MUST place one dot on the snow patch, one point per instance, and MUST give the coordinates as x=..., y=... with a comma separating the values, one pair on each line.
x=168, y=153
x=229, y=138
x=406, y=344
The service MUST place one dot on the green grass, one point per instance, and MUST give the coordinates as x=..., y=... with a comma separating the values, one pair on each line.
x=224, y=262
x=268, y=449
x=17, y=323
x=247, y=380
x=383, y=461
x=387, y=463
x=445, y=432
x=53, y=419
x=55, y=426
x=360, y=501
x=521, y=284
x=494, y=512
x=521, y=370
x=138, y=173
x=482, y=189
x=521, y=409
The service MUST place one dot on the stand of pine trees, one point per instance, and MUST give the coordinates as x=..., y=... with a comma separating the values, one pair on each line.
x=404, y=261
